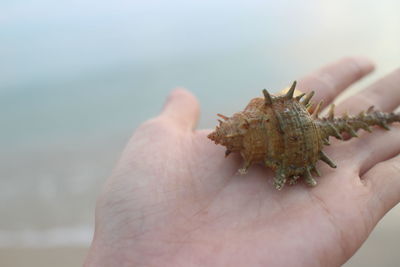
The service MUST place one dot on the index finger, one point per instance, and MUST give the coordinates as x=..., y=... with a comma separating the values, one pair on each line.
x=332, y=79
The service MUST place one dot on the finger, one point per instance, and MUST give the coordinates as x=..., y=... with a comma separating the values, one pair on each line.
x=332, y=79
x=181, y=109
x=380, y=145
x=373, y=148
x=384, y=183
x=384, y=95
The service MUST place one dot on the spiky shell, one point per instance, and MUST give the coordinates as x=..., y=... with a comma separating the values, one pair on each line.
x=282, y=133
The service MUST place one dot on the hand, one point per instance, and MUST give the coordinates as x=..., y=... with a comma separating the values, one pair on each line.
x=175, y=200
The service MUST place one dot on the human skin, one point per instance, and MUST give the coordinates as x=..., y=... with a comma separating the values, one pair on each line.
x=175, y=200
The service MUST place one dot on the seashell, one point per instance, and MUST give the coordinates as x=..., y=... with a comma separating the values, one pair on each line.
x=286, y=134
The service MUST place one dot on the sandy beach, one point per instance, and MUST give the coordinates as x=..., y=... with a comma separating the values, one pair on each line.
x=42, y=257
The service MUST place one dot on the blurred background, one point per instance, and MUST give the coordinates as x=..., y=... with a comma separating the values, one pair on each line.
x=77, y=77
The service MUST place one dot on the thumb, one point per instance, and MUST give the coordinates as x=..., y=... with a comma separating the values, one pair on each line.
x=181, y=109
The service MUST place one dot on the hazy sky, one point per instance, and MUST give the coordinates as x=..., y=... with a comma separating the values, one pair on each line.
x=53, y=39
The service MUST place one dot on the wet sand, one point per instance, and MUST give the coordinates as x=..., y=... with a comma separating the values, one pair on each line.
x=42, y=257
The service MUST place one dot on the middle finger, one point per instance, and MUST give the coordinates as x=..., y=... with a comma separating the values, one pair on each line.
x=331, y=80
x=379, y=145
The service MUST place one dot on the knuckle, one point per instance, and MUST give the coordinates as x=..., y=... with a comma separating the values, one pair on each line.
x=358, y=67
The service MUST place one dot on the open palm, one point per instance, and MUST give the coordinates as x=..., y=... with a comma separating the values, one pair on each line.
x=174, y=200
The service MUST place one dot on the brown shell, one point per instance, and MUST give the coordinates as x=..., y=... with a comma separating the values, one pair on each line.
x=281, y=133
